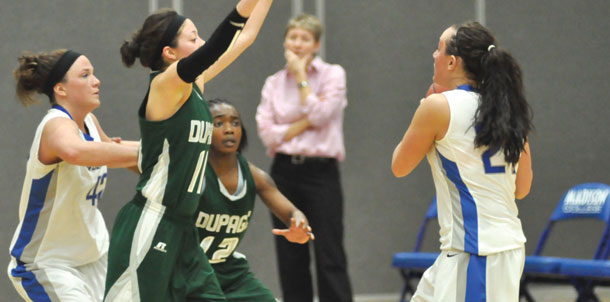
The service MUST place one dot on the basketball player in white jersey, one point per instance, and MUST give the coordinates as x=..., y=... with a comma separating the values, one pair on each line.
x=59, y=250
x=475, y=138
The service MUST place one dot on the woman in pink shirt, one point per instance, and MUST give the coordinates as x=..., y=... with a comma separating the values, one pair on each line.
x=300, y=121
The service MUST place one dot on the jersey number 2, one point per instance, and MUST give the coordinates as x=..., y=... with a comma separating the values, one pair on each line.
x=225, y=248
x=489, y=169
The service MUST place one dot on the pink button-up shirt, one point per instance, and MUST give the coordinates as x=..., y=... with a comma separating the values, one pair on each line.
x=281, y=105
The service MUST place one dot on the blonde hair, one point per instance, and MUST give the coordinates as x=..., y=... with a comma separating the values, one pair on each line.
x=307, y=22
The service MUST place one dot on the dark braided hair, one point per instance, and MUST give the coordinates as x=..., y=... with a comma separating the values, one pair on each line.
x=503, y=119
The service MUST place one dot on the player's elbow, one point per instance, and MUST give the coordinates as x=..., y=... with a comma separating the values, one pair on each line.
x=400, y=167
x=72, y=156
x=523, y=184
x=398, y=174
x=522, y=193
x=399, y=170
x=245, y=40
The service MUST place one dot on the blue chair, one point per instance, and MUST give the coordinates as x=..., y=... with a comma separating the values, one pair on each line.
x=412, y=265
x=584, y=201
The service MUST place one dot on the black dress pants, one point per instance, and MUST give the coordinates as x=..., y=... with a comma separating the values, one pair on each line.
x=313, y=185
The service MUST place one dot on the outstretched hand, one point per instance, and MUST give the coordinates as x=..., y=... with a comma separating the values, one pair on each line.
x=297, y=233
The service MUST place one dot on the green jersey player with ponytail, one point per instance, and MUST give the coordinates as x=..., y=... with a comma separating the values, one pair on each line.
x=154, y=252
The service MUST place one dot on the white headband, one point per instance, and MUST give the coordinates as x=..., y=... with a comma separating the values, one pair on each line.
x=490, y=47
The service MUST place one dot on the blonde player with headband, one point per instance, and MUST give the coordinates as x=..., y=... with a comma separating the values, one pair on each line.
x=154, y=249
x=59, y=250
x=475, y=138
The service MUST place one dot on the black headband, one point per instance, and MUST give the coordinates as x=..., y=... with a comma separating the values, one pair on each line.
x=170, y=32
x=59, y=70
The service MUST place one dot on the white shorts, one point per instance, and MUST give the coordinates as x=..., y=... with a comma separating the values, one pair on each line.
x=58, y=283
x=458, y=276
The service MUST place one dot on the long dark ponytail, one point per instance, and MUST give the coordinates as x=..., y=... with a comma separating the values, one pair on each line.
x=503, y=119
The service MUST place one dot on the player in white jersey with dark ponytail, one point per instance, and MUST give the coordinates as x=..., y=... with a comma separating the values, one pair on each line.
x=475, y=138
x=59, y=250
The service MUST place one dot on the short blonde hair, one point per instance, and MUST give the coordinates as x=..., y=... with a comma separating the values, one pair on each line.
x=307, y=22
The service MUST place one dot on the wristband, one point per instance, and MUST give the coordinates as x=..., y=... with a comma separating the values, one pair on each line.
x=224, y=36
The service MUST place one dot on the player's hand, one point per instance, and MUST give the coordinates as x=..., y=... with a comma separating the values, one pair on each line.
x=116, y=139
x=297, y=233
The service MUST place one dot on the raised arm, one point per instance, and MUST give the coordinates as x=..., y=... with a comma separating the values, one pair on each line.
x=61, y=142
x=299, y=230
x=245, y=39
x=170, y=89
x=429, y=123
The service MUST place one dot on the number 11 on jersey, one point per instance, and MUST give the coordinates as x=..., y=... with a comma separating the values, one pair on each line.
x=199, y=172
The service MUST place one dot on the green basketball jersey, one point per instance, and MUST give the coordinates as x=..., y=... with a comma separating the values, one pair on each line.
x=222, y=219
x=174, y=154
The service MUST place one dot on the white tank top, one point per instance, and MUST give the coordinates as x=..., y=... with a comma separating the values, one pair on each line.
x=59, y=222
x=475, y=190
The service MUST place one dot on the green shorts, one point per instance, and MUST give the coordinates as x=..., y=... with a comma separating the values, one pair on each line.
x=238, y=283
x=154, y=256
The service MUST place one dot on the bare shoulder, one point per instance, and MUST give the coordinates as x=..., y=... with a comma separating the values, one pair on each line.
x=261, y=178
x=434, y=108
x=434, y=115
x=60, y=124
x=257, y=173
x=254, y=169
x=435, y=102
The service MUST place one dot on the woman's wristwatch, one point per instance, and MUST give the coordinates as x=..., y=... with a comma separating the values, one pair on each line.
x=302, y=84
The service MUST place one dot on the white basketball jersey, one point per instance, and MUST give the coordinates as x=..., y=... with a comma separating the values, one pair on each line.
x=475, y=189
x=59, y=222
